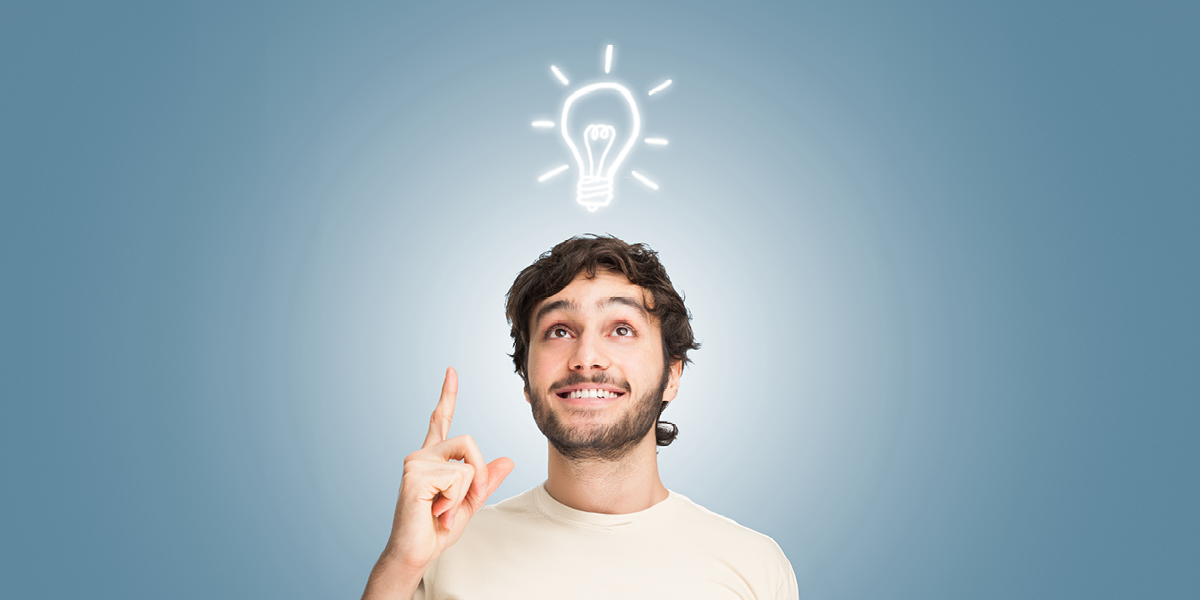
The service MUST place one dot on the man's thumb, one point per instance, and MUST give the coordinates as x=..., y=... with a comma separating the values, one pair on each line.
x=497, y=470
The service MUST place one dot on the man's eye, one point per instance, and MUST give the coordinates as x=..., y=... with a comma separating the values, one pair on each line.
x=559, y=332
x=623, y=331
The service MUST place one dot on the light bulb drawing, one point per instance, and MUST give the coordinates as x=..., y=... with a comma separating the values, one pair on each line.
x=596, y=182
x=599, y=149
x=595, y=187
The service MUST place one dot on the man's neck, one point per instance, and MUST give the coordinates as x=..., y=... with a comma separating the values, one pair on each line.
x=627, y=485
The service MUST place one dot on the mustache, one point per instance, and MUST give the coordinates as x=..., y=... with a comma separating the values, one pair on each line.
x=599, y=378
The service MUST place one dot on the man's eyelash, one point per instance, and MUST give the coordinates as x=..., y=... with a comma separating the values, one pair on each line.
x=550, y=330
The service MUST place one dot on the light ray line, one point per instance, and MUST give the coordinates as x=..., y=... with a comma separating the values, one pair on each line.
x=656, y=141
x=660, y=88
x=642, y=178
x=608, y=59
x=562, y=77
x=549, y=174
x=543, y=123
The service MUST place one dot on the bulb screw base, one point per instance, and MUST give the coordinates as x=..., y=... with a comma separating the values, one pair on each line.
x=594, y=192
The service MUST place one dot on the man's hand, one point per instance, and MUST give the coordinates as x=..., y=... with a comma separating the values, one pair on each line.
x=438, y=496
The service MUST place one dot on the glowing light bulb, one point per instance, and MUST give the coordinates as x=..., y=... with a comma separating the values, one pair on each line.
x=598, y=167
x=598, y=163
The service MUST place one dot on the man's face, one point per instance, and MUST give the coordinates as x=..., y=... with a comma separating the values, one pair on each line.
x=596, y=374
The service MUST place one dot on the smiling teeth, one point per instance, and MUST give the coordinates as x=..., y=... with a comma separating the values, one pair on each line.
x=591, y=394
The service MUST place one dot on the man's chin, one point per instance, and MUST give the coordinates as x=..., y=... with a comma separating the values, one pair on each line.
x=606, y=432
x=583, y=429
x=591, y=445
x=581, y=433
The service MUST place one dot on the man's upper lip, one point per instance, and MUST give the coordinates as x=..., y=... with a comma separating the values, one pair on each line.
x=589, y=386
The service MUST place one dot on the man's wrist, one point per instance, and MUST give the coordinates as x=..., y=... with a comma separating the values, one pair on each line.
x=391, y=578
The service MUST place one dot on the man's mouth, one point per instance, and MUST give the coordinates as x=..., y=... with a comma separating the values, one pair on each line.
x=585, y=391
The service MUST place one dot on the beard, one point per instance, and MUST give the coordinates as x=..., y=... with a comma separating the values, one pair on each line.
x=593, y=441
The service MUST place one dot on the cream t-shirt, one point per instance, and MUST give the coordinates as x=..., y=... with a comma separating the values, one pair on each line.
x=531, y=546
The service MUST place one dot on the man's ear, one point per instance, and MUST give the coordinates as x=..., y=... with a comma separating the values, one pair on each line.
x=673, y=380
x=526, y=391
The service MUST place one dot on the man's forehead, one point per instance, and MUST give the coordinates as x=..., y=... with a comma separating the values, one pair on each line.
x=572, y=305
x=606, y=290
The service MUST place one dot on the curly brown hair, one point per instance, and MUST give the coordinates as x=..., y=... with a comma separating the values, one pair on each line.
x=589, y=254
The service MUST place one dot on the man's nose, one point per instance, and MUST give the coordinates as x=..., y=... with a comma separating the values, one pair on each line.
x=589, y=354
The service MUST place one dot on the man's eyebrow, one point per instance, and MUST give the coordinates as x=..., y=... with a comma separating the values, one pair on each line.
x=627, y=301
x=568, y=305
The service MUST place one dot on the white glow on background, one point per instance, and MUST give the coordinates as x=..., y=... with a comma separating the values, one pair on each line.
x=543, y=123
x=643, y=179
x=608, y=59
x=656, y=141
x=553, y=172
x=559, y=75
x=662, y=86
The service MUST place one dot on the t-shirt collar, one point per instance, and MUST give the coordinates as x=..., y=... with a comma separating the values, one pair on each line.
x=555, y=509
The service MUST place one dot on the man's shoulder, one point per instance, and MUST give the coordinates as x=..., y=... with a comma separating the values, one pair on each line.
x=755, y=556
x=711, y=525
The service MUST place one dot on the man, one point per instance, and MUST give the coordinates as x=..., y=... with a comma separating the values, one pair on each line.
x=600, y=337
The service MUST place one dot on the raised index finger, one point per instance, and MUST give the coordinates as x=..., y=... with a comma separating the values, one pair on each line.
x=439, y=421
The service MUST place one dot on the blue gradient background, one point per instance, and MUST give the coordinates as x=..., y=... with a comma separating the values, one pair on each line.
x=943, y=260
